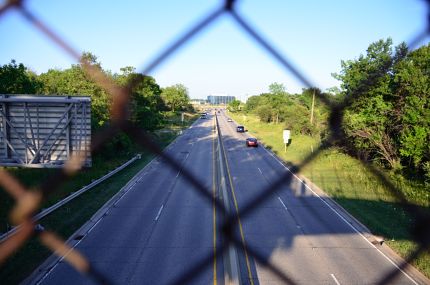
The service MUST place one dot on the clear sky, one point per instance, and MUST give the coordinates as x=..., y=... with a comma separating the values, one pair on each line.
x=314, y=34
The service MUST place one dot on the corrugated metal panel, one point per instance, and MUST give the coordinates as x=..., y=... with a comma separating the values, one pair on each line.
x=44, y=131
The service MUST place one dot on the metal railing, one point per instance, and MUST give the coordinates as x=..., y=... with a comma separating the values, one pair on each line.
x=27, y=203
x=72, y=196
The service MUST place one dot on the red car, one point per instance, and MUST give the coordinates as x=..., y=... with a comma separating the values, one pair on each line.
x=251, y=142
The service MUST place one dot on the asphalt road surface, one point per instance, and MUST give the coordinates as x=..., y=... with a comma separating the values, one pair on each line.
x=294, y=229
x=163, y=228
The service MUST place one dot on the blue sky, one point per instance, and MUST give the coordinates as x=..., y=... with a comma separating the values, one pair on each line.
x=315, y=35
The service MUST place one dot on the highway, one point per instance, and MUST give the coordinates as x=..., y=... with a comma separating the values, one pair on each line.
x=163, y=227
x=294, y=229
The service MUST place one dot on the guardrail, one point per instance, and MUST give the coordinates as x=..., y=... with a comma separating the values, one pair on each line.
x=72, y=196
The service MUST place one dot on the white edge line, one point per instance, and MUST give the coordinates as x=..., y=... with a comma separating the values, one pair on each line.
x=343, y=219
x=282, y=202
x=68, y=252
x=125, y=192
x=159, y=213
x=259, y=170
x=102, y=216
x=185, y=159
x=335, y=279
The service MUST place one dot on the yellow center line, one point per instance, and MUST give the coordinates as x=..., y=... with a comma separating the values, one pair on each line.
x=213, y=204
x=248, y=266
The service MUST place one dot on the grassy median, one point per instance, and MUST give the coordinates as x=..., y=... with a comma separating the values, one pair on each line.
x=352, y=185
x=66, y=220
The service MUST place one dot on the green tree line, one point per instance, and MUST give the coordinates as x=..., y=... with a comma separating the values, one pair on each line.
x=387, y=92
x=387, y=115
x=147, y=104
x=302, y=113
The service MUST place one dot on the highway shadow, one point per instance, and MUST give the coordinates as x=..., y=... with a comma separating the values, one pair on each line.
x=296, y=225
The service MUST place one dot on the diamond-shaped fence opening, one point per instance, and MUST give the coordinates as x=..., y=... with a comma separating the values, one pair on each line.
x=28, y=202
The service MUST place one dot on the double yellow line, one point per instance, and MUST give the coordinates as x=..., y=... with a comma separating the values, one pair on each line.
x=248, y=266
x=213, y=202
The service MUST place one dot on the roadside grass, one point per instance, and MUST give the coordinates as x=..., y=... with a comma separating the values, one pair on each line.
x=65, y=221
x=69, y=218
x=352, y=185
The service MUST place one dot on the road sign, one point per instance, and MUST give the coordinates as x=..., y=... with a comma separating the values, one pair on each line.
x=44, y=131
x=286, y=136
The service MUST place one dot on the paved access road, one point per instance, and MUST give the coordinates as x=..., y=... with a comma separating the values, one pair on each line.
x=295, y=230
x=162, y=227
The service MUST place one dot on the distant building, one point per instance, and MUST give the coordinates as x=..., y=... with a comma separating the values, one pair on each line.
x=220, y=99
x=198, y=101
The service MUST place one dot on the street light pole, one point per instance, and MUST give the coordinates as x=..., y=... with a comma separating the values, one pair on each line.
x=312, y=109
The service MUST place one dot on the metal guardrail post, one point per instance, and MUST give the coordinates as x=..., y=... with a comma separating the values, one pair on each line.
x=69, y=198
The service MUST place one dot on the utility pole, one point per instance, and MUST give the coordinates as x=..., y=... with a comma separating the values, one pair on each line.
x=312, y=108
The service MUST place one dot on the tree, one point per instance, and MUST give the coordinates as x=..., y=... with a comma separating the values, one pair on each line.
x=145, y=105
x=264, y=112
x=366, y=84
x=234, y=105
x=277, y=89
x=89, y=58
x=296, y=118
x=17, y=79
x=176, y=97
x=278, y=99
x=316, y=105
x=75, y=81
x=145, y=102
x=388, y=105
x=412, y=103
x=252, y=103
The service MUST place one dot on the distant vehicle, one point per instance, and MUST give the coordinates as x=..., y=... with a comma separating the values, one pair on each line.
x=240, y=129
x=229, y=120
x=251, y=142
x=203, y=117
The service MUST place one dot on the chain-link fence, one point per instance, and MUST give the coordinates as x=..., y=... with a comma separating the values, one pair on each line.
x=28, y=202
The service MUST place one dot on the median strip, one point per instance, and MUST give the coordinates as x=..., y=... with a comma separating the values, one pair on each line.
x=232, y=253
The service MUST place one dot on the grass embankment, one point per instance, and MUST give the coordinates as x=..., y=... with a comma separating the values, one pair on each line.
x=352, y=185
x=66, y=220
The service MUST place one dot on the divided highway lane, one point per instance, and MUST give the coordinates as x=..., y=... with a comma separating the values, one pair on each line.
x=294, y=229
x=162, y=227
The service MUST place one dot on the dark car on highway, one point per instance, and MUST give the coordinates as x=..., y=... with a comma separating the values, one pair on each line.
x=240, y=129
x=251, y=142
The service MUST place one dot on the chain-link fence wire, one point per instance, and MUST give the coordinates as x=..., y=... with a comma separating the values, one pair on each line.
x=28, y=202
